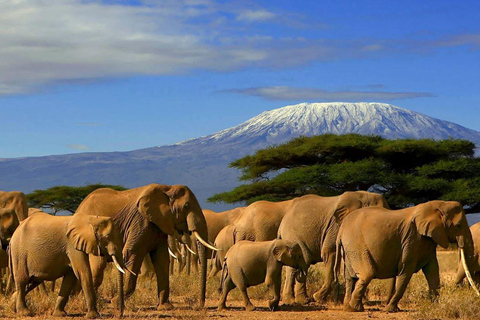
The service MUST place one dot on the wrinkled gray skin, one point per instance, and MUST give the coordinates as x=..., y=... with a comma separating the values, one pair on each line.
x=379, y=244
x=224, y=242
x=475, y=267
x=251, y=263
x=312, y=222
x=145, y=216
x=46, y=247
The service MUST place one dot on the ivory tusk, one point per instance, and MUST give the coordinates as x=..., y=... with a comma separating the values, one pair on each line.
x=171, y=253
x=131, y=271
x=205, y=243
x=117, y=265
x=188, y=248
x=467, y=272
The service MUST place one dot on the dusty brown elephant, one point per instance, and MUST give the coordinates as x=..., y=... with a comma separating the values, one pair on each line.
x=250, y=263
x=475, y=267
x=15, y=204
x=216, y=221
x=378, y=243
x=46, y=247
x=224, y=241
x=145, y=216
x=313, y=222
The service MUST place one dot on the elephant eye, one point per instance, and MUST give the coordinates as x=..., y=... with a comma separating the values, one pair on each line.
x=186, y=206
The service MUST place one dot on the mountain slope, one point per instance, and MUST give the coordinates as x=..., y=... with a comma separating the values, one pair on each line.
x=202, y=163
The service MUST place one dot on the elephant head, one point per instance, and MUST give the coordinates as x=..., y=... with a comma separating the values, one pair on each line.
x=189, y=218
x=289, y=253
x=98, y=236
x=445, y=222
x=8, y=224
x=353, y=200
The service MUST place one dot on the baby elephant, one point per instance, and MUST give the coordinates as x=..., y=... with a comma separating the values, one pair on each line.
x=250, y=263
x=46, y=247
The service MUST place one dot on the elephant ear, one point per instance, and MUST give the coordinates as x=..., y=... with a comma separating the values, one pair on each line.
x=347, y=202
x=281, y=251
x=81, y=233
x=8, y=219
x=153, y=205
x=429, y=220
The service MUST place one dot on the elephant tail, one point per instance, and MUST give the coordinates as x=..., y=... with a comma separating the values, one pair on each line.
x=224, y=275
x=338, y=258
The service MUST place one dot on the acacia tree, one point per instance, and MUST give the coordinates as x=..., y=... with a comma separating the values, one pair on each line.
x=406, y=171
x=66, y=198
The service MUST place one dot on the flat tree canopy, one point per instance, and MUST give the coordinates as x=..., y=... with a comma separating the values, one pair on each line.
x=66, y=198
x=406, y=171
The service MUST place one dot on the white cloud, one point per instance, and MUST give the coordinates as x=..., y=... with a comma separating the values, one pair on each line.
x=79, y=147
x=255, y=15
x=49, y=42
x=290, y=93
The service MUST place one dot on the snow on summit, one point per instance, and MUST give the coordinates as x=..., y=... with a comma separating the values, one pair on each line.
x=307, y=119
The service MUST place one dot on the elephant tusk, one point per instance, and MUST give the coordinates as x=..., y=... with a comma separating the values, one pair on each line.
x=205, y=243
x=117, y=265
x=189, y=249
x=467, y=272
x=131, y=271
x=171, y=253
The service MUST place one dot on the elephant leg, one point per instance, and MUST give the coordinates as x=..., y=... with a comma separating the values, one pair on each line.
x=227, y=286
x=288, y=296
x=172, y=266
x=97, y=265
x=20, y=293
x=274, y=283
x=246, y=300
x=81, y=268
x=400, y=284
x=160, y=263
x=329, y=266
x=432, y=274
x=349, y=287
x=391, y=290
x=301, y=296
x=68, y=283
x=358, y=293
x=188, y=262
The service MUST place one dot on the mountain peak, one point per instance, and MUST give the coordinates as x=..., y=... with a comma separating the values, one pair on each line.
x=308, y=119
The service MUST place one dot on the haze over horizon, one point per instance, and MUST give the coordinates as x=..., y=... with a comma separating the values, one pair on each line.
x=100, y=76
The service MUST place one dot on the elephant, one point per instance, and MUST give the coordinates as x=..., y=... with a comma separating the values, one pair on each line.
x=47, y=247
x=378, y=243
x=475, y=267
x=224, y=242
x=311, y=221
x=13, y=209
x=250, y=263
x=216, y=221
x=145, y=217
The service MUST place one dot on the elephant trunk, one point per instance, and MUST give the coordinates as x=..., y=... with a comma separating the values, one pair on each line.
x=197, y=224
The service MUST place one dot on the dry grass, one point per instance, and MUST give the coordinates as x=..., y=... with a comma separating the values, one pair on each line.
x=454, y=303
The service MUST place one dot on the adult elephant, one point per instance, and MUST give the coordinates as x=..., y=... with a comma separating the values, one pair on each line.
x=313, y=222
x=216, y=221
x=14, y=204
x=13, y=209
x=378, y=243
x=145, y=216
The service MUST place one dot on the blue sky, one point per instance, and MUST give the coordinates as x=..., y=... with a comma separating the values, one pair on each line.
x=80, y=76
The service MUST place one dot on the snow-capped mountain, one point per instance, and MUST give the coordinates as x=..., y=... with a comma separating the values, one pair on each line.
x=202, y=163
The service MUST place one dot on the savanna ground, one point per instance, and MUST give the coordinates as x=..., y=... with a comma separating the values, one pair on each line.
x=454, y=303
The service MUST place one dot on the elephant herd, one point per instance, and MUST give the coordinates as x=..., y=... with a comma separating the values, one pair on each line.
x=249, y=245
